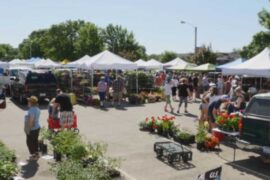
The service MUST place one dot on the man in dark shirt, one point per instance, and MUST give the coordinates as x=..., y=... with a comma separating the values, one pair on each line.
x=66, y=110
x=183, y=93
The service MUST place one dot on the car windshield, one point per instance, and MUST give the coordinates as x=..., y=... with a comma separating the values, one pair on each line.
x=46, y=78
x=259, y=107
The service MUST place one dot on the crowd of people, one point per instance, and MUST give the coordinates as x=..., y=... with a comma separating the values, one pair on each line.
x=220, y=94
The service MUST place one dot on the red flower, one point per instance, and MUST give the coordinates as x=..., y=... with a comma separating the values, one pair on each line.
x=146, y=119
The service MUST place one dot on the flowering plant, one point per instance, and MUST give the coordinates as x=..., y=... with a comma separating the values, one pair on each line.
x=211, y=141
x=163, y=123
x=229, y=122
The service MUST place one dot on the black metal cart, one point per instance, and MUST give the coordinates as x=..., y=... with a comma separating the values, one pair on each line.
x=173, y=152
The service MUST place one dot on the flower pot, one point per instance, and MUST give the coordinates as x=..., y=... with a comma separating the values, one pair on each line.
x=57, y=156
x=40, y=145
x=113, y=173
x=200, y=146
x=44, y=149
x=165, y=134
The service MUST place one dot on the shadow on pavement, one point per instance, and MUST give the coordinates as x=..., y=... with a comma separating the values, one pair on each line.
x=178, y=165
x=253, y=165
x=29, y=170
x=191, y=115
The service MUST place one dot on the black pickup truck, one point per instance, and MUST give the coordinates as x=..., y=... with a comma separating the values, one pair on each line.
x=42, y=84
x=256, y=121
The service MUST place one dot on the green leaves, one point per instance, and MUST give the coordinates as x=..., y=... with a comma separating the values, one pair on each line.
x=8, y=167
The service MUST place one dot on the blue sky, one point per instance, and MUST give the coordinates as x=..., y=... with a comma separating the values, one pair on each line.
x=226, y=24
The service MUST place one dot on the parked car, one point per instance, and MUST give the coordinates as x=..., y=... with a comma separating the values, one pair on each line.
x=42, y=84
x=256, y=121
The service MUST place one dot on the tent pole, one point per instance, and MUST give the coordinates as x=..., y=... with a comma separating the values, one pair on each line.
x=92, y=78
x=137, y=83
x=261, y=83
x=71, y=79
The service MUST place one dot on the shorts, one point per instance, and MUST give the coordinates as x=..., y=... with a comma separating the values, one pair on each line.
x=66, y=118
x=117, y=95
x=168, y=99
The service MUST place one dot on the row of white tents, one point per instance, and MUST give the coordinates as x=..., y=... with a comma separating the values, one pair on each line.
x=258, y=66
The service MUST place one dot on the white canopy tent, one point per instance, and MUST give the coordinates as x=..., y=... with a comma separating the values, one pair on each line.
x=175, y=62
x=19, y=63
x=140, y=63
x=153, y=64
x=257, y=66
x=4, y=65
x=183, y=66
x=46, y=63
x=79, y=62
x=107, y=60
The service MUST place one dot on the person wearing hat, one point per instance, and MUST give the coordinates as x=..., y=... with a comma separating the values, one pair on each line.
x=239, y=103
x=214, y=109
x=32, y=126
x=102, y=89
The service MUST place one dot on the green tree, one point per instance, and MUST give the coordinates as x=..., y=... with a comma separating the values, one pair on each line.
x=167, y=56
x=261, y=39
x=60, y=40
x=204, y=55
x=89, y=40
x=7, y=52
x=33, y=46
x=122, y=42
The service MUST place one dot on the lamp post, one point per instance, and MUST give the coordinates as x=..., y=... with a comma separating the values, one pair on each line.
x=195, y=37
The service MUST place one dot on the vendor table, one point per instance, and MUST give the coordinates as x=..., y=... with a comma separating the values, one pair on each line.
x=174, y=152
x=232, y=135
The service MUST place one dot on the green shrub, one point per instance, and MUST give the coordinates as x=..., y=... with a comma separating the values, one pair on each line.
x=8, y=167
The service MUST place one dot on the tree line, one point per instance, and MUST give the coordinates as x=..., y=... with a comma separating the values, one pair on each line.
x=74, y=39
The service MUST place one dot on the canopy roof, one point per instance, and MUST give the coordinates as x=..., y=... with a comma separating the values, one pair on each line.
x=107, y=60
x=153, y=64
x=48, y=63
x=231, y=64
x=78, y=62
x=4, y=65
x=175, y=62
x=204, y=67
x=257, y=66
x=16, y=61
x=65, y=61
x=183, y=66
x=140, y=63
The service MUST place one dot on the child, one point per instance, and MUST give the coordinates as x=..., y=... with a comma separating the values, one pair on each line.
x=204, y=110
x=168, y=93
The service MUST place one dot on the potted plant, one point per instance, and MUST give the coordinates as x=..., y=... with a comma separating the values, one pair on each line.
x=63, y=141
x=8, y=166
x=228, y=122
x=44, y=134
x=200, y=138
x=211, y=142
x=184, y=138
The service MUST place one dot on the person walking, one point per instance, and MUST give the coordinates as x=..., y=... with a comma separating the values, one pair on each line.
x=32, y=127
x=183, y=93
x=102, y=89
x=174, y=87
x=168, y=94
x=118, y=87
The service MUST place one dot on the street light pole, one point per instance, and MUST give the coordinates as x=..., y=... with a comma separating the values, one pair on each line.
x=195, y=37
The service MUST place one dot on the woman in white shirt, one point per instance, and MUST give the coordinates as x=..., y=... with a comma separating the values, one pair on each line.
x=168, y=93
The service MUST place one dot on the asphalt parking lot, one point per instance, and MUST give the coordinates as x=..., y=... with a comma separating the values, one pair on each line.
x=118, y=128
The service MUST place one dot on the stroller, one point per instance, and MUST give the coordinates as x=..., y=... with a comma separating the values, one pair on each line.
x=54, y=122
